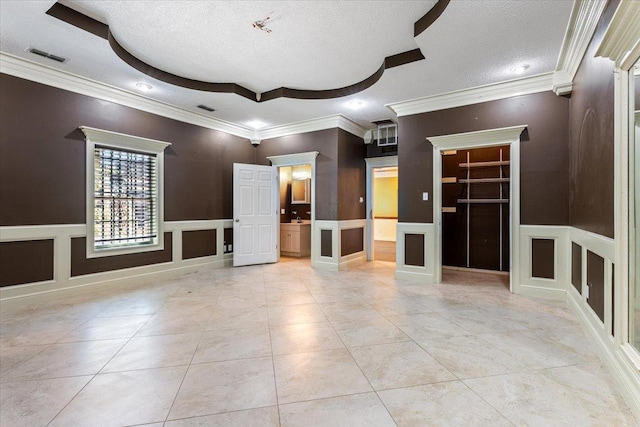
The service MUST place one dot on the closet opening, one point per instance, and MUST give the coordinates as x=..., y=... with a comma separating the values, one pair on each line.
x=476, y=211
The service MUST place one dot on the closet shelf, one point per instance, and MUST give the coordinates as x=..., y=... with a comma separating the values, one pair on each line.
x=477, y=180
x=485, y=201
x=484, y=164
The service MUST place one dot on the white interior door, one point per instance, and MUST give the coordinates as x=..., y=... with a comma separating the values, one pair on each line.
x=255, y=214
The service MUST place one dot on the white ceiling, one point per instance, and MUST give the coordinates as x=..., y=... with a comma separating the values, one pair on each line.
x=312, y=45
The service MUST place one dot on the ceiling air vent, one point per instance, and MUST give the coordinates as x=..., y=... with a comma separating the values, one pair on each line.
x=386, y=134
x=47, y=55
x=204, y=107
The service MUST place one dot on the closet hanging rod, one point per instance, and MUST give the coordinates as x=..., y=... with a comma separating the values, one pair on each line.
x=485, y=201
x=484, y=164
x=474, y=180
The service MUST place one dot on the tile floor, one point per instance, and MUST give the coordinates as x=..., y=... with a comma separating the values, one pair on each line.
x=283, y=344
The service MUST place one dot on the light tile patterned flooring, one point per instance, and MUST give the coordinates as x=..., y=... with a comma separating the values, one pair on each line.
x=283, y=344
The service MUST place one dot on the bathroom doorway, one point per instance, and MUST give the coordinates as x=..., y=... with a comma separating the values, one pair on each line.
x=295, y=183
x=382, y=208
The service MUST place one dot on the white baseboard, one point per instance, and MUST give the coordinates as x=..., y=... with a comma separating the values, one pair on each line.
x=414, y=276
x=542, y=292
x=475, y=270
x=352, y=260
x=130, y=275
x=319, y=264
x=626, y=376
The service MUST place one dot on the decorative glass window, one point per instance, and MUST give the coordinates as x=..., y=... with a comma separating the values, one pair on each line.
x=124, y=193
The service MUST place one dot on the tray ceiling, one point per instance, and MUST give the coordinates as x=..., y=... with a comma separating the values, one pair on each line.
x=313, y=45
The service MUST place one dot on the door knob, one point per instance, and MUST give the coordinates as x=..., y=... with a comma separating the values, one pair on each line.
x=237, y=220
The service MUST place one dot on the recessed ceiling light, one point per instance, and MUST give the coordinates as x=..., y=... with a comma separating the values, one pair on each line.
x=355, y=104
x=144, y=87
x=519, y=69
x=256, y=124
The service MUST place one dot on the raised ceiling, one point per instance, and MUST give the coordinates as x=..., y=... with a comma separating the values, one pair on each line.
x=312, y=45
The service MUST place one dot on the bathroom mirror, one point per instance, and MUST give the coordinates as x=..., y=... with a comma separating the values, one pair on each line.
x=634, y=143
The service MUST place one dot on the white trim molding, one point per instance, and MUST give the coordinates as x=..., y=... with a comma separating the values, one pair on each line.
x=475, y=95
x=469, y=140
x=621, y=41
x=329, y=122
x=120, y=141
x=415, y=273
x=482, y=138
x=62, y=235
x=295, y=160
x=621, y=44
x=25, y=69
x=372, y=163
x=539, y=287
x=582, y=25
x=40, y=73
x=336, y=262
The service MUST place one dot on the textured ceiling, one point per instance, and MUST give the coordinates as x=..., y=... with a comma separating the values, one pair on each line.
x=312, y=45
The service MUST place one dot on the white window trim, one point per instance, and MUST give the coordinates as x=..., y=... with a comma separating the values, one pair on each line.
x=121, y=141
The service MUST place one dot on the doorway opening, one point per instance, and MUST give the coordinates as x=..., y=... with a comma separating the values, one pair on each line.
x=292, y=161
x=509, y=137
x=382, y=208
x=475, y=213
x=385, y=213
x=296, y=207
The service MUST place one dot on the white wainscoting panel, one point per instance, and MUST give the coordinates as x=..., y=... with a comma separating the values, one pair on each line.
x=412, y=272
x=62, y=235
x=336, y=261
x=538, y=287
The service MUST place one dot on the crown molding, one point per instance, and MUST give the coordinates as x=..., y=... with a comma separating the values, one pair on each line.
x=19, y=67
x=582, y=25
x=484, y=138
x=476, y=95
x=29, y=70
x=621, y=41
x=329, y=122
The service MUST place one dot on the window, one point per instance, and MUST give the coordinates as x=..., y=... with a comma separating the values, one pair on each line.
x=124, y=193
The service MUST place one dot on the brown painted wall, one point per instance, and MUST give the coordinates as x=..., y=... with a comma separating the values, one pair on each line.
x=199, y=243
x=414, y=249
x=591, y=144
x=81, y=265
x=26, y=262
x=340, y=169
x=326, y=143
x=544, y=154
x=351, y=176
x=42, y=166
x=543, y=258
x=326, y=243
x=595, y=282
x=576, y=266
x=351, y=241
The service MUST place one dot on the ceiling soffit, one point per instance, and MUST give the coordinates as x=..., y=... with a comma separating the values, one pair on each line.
x=89, y=24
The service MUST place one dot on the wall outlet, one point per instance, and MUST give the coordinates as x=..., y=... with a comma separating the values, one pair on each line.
x=361, y=199
x=425, y=196
x=230, y=248
x=282, y=211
